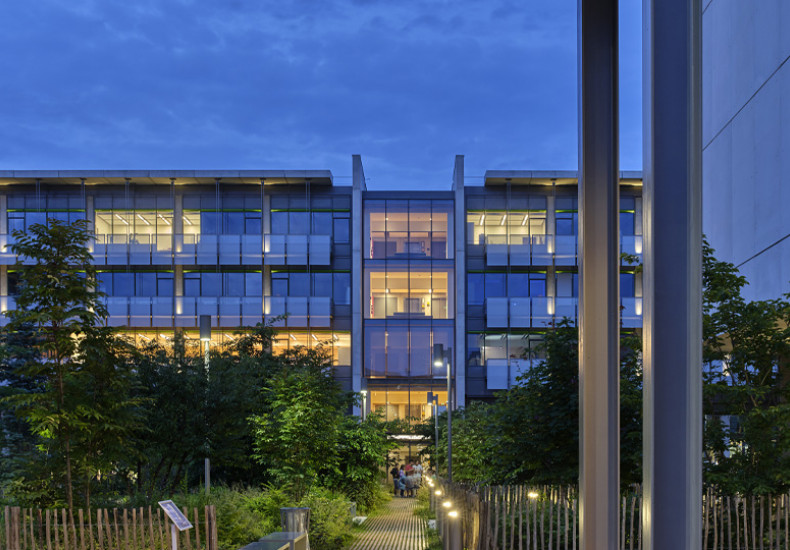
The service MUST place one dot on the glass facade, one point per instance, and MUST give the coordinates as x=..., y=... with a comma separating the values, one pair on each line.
x=281, y=249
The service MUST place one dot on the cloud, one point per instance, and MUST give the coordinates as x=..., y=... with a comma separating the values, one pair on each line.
x=259, y=84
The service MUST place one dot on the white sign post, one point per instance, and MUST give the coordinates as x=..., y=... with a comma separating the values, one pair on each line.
x=179, y=520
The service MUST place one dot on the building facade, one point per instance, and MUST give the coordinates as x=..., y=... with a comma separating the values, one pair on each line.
x=746, y=139
x=377, y=277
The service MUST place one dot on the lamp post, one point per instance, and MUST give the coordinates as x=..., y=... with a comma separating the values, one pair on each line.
x=364, y=403
x=205, y=338
x=441, y=359
x=433, y=400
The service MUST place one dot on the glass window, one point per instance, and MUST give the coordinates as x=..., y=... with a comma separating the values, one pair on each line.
x=279, y=284
x=299, y=284
x=299, y=223
x=340, y=229
x=341, y=291
x=322, y=284
x=16, y=221
x=565, y=224
x=234, y=284
x=209, y=223
x=626, y=223
x=123, y=284
x=397, y=344
x=420, y=351
x=537, y=285
x=375, y=351
x=105, y=282
x=211, y=284
x=495, y=285
x=164, y=284
x=475, y=290
x=233, y=223
x=191, y=284
x=253, y=284
x=518, y=284
x=322, y=223
x=252, y=223
x=473, y=358
x=279, y=223
x=626, y=285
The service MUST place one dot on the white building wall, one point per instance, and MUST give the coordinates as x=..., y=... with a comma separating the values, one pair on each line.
x=746, y=139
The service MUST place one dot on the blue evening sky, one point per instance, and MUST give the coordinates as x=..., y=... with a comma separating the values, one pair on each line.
x=302, y=84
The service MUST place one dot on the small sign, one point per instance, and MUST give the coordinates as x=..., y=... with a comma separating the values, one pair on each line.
x=175, y=515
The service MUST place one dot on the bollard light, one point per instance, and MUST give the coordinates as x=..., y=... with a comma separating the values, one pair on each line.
x=533, y=495
x=453, y=513
x=447, y=503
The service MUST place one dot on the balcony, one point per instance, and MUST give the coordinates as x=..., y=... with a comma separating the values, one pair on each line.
x=183, y=312
x=527, y=312
x=314, y=311
x=502, y=374
x=297, y=249
x=536, y=250
x=631, y=312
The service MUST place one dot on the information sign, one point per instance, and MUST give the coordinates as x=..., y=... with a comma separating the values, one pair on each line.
x=175, y=515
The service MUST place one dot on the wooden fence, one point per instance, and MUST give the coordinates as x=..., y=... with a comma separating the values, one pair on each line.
x=104, y=529
x=546, y=518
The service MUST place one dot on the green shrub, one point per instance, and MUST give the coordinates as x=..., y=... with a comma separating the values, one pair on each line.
x=241, y=516
x=368, y=495
x=330, y=521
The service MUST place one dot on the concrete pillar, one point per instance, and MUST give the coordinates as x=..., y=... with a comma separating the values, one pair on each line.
x=459, y=212
x=358, y=186
x=599, y=300
x=3, y=214
x=672, y=277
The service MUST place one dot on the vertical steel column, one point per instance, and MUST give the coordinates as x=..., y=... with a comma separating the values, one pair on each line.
x=599, y=296
x=357, y=349
x=672, y=322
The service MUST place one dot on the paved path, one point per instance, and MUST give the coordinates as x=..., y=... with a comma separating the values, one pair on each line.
x=396, y=528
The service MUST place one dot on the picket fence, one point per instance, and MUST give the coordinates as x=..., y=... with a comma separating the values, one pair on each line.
x=104, y=529
x=546, y=518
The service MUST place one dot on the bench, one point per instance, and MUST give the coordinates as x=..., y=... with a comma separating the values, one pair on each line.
x=296, y=540
x=267, y=545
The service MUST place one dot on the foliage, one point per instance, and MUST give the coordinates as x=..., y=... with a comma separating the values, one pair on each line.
x=77, y=374
x=330, y=521
x=747, y=429
x=297, y=435
x=199, y=413
x=362, y=450
x=530, y=433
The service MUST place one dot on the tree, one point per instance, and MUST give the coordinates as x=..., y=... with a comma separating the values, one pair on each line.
x=746, y=393
x=297, y=436
x=79, y=375
x=530, y=433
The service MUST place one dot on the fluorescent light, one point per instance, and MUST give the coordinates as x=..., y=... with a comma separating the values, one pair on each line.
x=163, y=219
x=123, y=220
x=524, y=221
x=482, y=219
x=504, y=218
x=187, y=220
x=146, y=222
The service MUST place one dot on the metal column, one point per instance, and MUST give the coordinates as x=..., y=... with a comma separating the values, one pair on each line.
x=672, y=322
x=599, y=293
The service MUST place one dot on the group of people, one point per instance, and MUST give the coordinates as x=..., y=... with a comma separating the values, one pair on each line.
x=407, y=479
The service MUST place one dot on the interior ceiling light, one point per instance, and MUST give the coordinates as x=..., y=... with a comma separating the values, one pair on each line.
x=146, y=222
x=504, y=218
x=164, y=219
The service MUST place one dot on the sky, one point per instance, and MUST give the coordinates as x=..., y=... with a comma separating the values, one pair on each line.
x=302, y=84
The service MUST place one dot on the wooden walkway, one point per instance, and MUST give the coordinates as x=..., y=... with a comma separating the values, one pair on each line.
x=397, y=528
